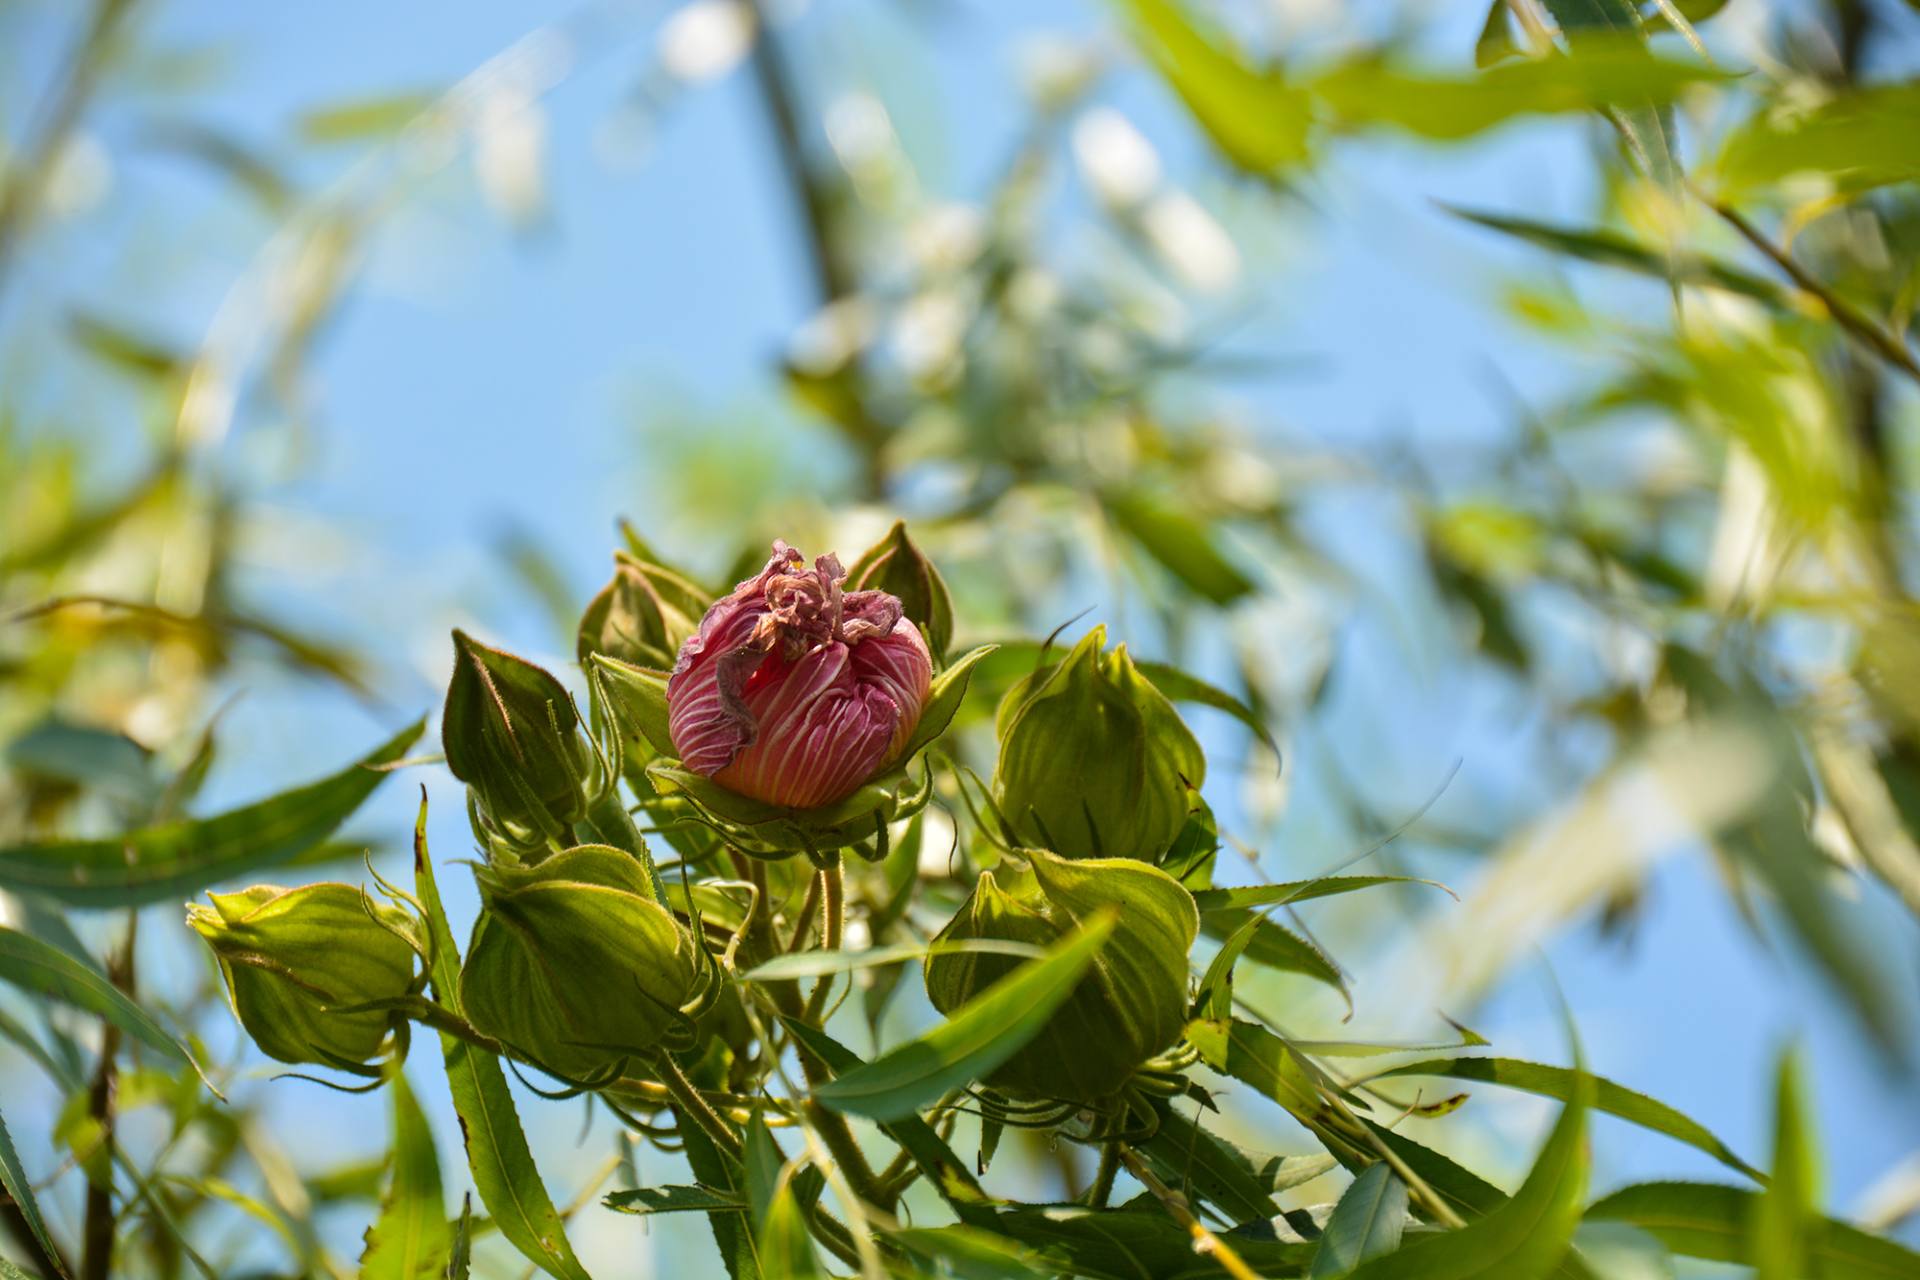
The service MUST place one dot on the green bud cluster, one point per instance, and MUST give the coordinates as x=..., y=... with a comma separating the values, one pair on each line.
x=292, y=958
x=1130, y=1005
x=575, y=965
x=1094, y=761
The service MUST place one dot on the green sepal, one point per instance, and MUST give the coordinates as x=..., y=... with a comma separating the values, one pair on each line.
x=896, y=566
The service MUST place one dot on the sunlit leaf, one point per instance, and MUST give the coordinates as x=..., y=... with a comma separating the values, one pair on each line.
x=497, y=1153
x=1705, y=1220
x=412, y=1239
x=982, y=1034
x=1366, y=1223
x=33, y=965
x=19, y=1187
x=180, y=858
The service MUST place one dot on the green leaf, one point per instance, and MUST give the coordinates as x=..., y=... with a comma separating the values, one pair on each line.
x=1366, y=1223
x=1259, y=120
x=1562, y=1083
x=1524, y=1239
x=1783, y=1220
x=1178, y=686
x=982, y=1034
x=364, y=119
x=970, y=1253
x=1611, y=249
x=1135, y=1244
x=1184, y=1154
x=1646, y=127
x=1183, y=545
x=721, y=1174
x=673, y=1199
x=944, y=696
x=1270, y=943
x=943, y=1170
x=13, y=1177
x=181, y=858
x=1263, y=895
x=412, y=1238
x=786, y=1250
x=818, y=964
x=33, y=965
x=1862, y=139
x=497, y=1151
x=1706, y=1220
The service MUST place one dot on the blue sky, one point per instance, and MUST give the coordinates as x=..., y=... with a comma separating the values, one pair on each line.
x=480, y=379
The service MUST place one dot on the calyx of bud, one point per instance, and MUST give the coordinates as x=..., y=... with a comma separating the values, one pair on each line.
x=574, y=965
x=292, y=957
x=1130, y=1005
x=642, y=616
x=896, y=566
x=1094, y=761
x=511, y=733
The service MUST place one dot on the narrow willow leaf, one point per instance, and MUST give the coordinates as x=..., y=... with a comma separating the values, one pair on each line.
x=1524, y=1239
x=33, y=965
x=1186, y=1155
x=816, y=964
x=673, y=1199
x=1266, y=895
x=1253, y=1055
x=970, y=1253
x=1366, y=1223
x=1181, y=687
x=412, y=1238
x=1270, y=943
x=1128, y=1243
x=1606, y=248
x=460, y=1254
x=943, y=1170
x=181, y=858
x=1260, y=121
x=1648, y=129
x=1709, y=1221
x=1183, y=545
x=1783, y=1220
x=13, y=1177
x=1562, y=1083
x=497, y=1151
x=786, y=1250
x=982, y=1034
x=721, y=1175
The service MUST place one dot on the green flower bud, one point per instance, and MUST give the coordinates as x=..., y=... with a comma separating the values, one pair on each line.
x=290, y=956
x=896, y=566
x=511, y=733
x=642, y=616
x=574, y=965
x=1094, y=761
x=1130, y=1006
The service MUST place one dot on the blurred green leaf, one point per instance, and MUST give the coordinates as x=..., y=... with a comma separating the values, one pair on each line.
x=1611, y=249
x=982, y=1034
x=1562, y=1083
x=184, y=857
x=1705, y=1220
x=1256, y=117
x=1860, y=138
x=1261, y=895
x=364, y=119
x=33, y=965
x=650, y=1200
x=1782, y=1225
x=1181, y=544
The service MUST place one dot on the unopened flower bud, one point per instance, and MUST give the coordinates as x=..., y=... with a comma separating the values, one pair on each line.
x=795, y=691
x=511, y=733
x=574, y=964
x=1130, y=1006
x=642, y=616
x=1094, y=761
x=896, y=566
x=292, y=956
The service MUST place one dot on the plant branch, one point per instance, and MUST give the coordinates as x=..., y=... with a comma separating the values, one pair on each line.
x=99, y=1225
x=691, y=1104
x=1205, y=1242
x=1861, y=327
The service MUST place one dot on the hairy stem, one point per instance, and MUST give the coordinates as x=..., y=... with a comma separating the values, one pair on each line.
x=693, y=1105
x=832, y=928
x=1102, y=1189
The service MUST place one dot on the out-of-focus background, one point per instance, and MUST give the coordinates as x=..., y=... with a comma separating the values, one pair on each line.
x=358, y=322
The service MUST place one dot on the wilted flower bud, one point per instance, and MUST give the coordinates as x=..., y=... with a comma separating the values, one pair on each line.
x=642, y=616
x=1130, y=1005
x=511, y=733
x=289, y=956
x=894, y=565
x=1094, y=761
x=575, y=965
x=795, y=691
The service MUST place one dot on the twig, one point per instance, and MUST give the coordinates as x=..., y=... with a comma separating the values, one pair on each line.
x=1205, y=1242
x=1858, y=325
x=99, y=1226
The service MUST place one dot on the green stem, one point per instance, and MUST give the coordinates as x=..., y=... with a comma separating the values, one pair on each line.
x=1102, y=1189
x=691, y=1104
x=833, y=927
